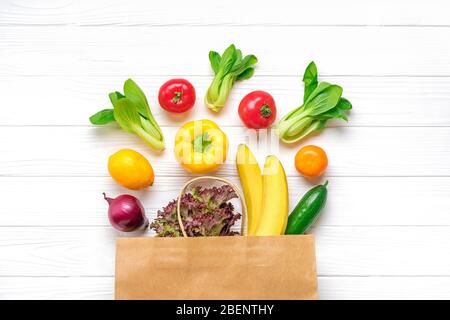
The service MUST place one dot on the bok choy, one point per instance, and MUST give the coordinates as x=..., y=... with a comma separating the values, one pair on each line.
x=132, y=113
x=322, y=101
x=228, y=68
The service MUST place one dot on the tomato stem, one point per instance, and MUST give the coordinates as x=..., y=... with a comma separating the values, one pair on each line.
x=265, y=110
x=177, y=96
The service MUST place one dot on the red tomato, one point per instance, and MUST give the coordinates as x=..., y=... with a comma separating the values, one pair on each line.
x=177, y=95
x=257, y=110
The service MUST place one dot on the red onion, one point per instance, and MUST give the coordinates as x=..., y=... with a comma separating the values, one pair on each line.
x=126, y=213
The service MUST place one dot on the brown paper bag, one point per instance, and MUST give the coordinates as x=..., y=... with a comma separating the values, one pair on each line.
x=282, y=267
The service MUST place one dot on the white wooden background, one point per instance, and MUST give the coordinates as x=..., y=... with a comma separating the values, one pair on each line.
x=385, y=232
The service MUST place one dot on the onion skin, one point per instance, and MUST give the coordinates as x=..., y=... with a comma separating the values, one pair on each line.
x=126, y=213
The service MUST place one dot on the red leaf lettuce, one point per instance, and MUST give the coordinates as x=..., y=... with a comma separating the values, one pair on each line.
x=204, y=211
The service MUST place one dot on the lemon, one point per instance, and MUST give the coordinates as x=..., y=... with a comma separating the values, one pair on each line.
x=131, y=169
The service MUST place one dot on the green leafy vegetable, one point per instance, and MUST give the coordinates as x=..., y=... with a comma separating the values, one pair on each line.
x=132, y=113
x=322, y=101
x=204, y=211
x=228, y=68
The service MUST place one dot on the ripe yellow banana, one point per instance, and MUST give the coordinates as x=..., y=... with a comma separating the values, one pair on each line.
x=251, y=181
x=275, y=199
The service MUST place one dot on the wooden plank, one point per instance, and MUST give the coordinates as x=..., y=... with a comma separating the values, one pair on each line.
x=369, y=288
x=343, y=251
x=47, y=288
x=78, y=201
x=250, y=12
x=112, y=51
x=83, y=151
x=378, y=101
x=87, y=288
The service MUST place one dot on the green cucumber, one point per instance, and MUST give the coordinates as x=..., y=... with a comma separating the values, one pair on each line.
x=307, y=210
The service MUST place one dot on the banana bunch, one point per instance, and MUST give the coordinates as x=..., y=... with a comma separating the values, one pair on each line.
x=266, y=194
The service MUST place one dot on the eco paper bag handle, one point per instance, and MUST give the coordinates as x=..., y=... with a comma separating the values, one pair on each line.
x=236, y=189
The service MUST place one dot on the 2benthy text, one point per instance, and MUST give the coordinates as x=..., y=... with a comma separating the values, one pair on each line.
x=226, y=309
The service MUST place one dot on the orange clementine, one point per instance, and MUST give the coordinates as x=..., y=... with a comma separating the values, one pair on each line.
x=311, y=161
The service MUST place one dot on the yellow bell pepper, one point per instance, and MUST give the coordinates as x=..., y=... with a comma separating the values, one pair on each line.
x=200, y=146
